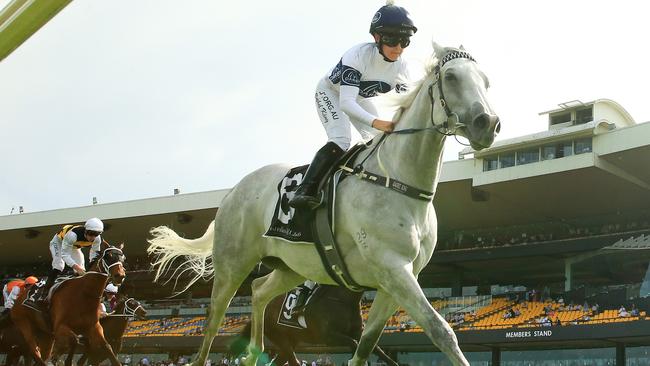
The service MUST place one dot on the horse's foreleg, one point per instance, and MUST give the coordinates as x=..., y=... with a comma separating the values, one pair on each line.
x=82, y=360
x=286, y=353
x=97, y=344
x=404, y=287
x=31, y=341
x=70, y=356
x=264, y=289
x=381, y=310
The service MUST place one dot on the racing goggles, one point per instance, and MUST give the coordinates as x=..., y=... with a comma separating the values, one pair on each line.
x=392, y=40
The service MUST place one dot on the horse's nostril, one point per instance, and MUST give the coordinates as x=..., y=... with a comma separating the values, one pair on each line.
x=498, y=126
x=481, y=121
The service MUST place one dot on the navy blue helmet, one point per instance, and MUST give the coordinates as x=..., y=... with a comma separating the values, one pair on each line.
x=392, y=19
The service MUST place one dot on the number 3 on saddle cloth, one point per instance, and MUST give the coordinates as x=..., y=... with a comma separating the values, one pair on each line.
x=35, y=293
x=286, y=316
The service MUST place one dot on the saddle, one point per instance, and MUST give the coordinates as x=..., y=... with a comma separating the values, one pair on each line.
x=35, y=293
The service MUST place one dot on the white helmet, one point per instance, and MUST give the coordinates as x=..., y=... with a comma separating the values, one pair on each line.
x=94, y=224
x=111, y=288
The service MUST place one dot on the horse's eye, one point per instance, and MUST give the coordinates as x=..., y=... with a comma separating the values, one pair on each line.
x=450, y=76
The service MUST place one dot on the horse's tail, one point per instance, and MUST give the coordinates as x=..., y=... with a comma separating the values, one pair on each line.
x=239, y=344
x=166, y=246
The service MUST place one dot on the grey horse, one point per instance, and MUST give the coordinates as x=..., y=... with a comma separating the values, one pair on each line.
x=386, y=238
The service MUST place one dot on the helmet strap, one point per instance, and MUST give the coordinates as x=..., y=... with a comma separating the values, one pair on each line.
x=379, y=44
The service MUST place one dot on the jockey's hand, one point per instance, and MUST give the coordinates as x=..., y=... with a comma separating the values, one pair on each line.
x=78, y=270
x=381, y=125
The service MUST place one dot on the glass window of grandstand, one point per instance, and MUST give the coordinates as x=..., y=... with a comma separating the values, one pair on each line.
x=585, y=115
x=560, y=118
x=596, y=356
x=506, y=160
x=437, y=358
x=559, y=150
x=528, y=156
x=583, y=145
x=490, y=163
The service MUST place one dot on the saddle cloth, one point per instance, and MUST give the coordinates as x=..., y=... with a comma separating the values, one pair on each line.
x=285, y=223
x=35, y=292
x=291, y=320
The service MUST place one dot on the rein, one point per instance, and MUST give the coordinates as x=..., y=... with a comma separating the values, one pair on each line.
x=447, y=128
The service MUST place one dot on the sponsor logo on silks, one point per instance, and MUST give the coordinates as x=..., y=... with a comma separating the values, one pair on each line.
x=376, y=18
x=350, y=76
x=401, y=88
x=335, y=77
x=369, y=89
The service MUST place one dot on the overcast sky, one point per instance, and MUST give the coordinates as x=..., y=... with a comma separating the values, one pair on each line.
x=124, y=100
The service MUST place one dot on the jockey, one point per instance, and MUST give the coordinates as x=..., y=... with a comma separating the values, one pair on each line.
x=66, y=246
x=110, y=294
x=11, y=291
x=364, y=71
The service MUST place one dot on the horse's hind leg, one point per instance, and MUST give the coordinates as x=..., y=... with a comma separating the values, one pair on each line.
x=381, y=310
x=404, y=287
x=264, y=290
x=224, y=286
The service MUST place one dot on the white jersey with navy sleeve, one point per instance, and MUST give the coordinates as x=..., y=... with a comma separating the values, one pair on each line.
x=361, y=73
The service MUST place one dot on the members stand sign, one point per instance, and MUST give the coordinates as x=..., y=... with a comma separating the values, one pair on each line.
x=527, y=334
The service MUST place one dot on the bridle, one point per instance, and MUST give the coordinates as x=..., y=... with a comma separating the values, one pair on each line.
x=129, y=311
x=103, y=265
x=452, y=123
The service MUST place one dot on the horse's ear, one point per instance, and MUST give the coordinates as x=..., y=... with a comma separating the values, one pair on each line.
x=121, y=246
x=461, y=47
x=438, y=50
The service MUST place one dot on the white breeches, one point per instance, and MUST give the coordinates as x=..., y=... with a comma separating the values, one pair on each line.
x=57, y=260
x=55, y=249
x=335, y=121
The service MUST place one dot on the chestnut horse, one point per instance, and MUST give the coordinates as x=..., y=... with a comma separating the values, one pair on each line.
x=74, y=310
x=333, y=318
x=114, y=325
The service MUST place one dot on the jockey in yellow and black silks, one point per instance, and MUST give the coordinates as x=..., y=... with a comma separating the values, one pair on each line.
x=66, y=246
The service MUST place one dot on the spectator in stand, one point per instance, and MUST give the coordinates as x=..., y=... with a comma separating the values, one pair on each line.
x=634, y=311
x=558, y=322
x=622, y=313
x=594, y=308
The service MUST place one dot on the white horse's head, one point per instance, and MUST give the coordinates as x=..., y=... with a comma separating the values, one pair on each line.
x=458, y=89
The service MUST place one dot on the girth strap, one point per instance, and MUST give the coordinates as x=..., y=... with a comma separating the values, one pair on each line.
x=326, y=245
x=393, y=184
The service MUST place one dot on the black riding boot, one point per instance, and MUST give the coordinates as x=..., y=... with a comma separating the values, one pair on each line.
x=305, y=195
x=51, y=277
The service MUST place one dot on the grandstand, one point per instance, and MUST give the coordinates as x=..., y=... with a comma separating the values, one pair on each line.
x=543, y=239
